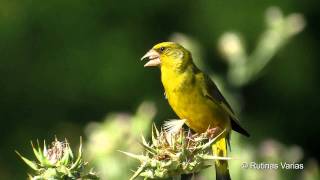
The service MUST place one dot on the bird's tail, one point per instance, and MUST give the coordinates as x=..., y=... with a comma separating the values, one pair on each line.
x=220, y=149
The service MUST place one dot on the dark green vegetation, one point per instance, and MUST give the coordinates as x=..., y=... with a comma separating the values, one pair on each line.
x=66, y=63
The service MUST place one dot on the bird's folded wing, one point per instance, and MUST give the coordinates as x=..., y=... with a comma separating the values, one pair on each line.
x=211, y=91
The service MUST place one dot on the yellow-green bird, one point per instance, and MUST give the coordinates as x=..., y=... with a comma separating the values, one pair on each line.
x=194, y=97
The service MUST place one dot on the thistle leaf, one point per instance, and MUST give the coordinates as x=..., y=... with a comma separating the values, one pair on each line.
x=144, y=141
x=138, y=171
x=65, y=158
x=210, y=157
x=155, y=128
x=138, y=157
x=31, y=164
x=148, y=148
x=154, y=138
x=77, y=163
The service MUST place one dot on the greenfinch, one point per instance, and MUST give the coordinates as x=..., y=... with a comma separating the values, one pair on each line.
x=195, y=98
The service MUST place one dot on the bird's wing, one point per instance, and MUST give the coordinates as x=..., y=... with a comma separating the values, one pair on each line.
x=211, y=91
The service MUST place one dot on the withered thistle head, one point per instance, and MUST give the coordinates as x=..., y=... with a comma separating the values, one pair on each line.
x=173, y=154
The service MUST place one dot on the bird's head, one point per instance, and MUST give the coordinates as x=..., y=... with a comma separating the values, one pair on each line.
x=169, y=55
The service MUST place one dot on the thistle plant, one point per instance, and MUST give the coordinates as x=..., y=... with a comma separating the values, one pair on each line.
x=245, y=67
x=173, y=154
x=57, y=162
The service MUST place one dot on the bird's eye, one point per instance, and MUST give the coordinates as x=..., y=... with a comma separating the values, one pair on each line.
x=162, y=49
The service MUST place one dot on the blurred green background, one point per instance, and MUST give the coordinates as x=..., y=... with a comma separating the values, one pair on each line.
x=65, y=64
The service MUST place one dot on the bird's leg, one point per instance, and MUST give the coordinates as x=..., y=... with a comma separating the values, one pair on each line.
x=190, y=136
x=213, y=132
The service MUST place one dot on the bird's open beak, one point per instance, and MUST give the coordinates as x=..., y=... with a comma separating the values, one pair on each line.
x=154, y=58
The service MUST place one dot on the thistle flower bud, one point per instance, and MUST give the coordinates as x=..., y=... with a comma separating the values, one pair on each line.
x=231, y=47
x=57, y=162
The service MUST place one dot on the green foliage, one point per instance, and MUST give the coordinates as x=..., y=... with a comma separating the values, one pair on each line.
x=244, y=68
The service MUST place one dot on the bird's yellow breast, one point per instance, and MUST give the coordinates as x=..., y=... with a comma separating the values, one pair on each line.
x=184, y=93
